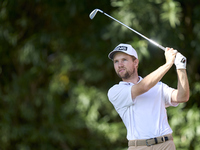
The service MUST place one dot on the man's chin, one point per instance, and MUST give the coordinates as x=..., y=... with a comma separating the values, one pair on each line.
x=124, y=76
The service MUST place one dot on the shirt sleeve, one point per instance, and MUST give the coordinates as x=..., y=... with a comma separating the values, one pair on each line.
x=120, y=96
x=167, y=93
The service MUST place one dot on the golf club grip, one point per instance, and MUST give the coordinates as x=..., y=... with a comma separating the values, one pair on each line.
x=161, y=47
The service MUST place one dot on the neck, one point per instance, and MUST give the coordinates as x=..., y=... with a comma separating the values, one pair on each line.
x=133, y=80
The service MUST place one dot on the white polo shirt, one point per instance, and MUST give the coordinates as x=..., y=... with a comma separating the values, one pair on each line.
x=145, y=116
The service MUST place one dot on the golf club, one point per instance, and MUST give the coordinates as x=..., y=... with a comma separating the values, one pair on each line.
x=94, y=12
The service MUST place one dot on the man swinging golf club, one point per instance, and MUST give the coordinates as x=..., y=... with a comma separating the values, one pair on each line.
x=141, y=102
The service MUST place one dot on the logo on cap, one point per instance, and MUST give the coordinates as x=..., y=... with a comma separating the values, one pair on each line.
x=121, y=48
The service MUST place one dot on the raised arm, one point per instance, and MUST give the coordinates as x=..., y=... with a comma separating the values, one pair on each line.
x=182, y=93
x=153, y=78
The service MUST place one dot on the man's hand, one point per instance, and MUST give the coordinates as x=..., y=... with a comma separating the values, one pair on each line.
x=170, y=54
x=180, y=61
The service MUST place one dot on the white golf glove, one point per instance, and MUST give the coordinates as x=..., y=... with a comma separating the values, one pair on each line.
x=180, y=61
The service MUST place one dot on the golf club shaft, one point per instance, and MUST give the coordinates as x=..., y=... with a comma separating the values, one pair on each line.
x=158, y=45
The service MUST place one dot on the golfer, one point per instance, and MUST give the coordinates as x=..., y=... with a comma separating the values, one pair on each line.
x=141, y=102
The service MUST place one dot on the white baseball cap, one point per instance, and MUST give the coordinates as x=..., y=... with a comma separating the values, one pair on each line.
x=125, y=48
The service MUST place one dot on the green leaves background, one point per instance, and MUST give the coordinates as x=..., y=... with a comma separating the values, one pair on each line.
x=55, y=73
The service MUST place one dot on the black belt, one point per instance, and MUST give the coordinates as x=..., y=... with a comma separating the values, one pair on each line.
x=152, y=141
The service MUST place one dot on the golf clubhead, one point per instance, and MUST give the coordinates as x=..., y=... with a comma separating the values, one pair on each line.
x=94, y=12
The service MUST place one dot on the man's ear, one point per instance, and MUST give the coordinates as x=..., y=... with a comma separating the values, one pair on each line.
x=136, y=62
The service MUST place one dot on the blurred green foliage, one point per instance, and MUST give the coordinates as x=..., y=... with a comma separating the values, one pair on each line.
x=55, y=72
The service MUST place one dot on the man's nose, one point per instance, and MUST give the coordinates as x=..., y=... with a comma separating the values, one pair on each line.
x=121, y=64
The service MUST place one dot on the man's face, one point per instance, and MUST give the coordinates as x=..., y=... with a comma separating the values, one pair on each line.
x=124, y=65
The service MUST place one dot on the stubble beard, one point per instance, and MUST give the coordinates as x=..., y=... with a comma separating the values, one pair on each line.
x=127, y=75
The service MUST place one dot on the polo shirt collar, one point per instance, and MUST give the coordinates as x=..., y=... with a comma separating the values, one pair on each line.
x=130, y=83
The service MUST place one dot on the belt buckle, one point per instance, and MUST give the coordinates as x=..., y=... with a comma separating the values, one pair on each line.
x=155, y=141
